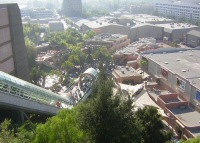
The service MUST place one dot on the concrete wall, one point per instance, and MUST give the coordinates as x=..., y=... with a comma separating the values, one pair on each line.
x=26, y=105
x=146, y=31
x=17, y=40
x=192, y=40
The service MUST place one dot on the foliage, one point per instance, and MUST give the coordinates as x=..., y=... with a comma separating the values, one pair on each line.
x=62, y=128
x=7, y=134
x=196, y=140
x=89, y=35
x=31, y=52
x=151, y=126
x=103, y=55
x=67, y=65
x=108, y=118
x=74, y=59
x=32, y=31
x=63, y=38
x=143, y=63
x=37, y=74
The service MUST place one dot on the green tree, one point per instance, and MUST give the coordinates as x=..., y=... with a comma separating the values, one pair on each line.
x=108, y=118
x=67, y=65
x=196, y=140
x=103, y=55
x=74, y=59
x=89, y=35
x=151, y=126
x=32, y=31
x=31, y=52
x=143, y=63
x=62, y=128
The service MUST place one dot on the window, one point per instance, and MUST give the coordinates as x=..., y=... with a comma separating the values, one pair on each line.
x=164, y=73
x=181, y=84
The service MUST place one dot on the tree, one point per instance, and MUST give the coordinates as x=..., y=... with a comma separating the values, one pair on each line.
x=89, y=35
x=108, y=118
x=31, y=52
x=32, y=31
x=62, y=128
x=74, y=59
x=103, y=55
x=196, y=140
x=36, y=75
x=8, y=135
x=67, y=65
x=151, y=130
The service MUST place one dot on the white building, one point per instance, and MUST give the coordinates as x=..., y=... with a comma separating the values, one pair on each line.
x=179, y=10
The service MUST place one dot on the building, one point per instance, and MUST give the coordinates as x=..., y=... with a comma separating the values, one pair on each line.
x=112, y=42
x=72, y=8
x=39, y=13
x=193, y=38
x=180, y=10
x=126, y=75
x=145, y=18
x=13, y=54
x=177, y=71
x=134, y=32
x=177, y=31
x=56, y=26
x=132, y=51
x=138, y=9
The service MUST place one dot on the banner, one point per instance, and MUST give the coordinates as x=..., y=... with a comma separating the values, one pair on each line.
x=198, y=96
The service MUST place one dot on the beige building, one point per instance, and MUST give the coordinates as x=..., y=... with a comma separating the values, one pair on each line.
x=177, y=70
x=176, y=31
x=111, y=41
x=126, y=75
x=193, y=38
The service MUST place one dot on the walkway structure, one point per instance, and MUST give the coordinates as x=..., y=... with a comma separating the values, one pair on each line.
x=20, y=94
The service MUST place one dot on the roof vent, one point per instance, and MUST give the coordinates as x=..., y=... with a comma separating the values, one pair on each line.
x=190, y=54
x=180, y=51
x=177, y=59
x=166, y=63
x=122, y=72
x=183, y=70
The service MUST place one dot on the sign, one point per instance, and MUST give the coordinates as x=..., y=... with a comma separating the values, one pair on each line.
x=164, y=73
x=181, y=84
x=198, y=96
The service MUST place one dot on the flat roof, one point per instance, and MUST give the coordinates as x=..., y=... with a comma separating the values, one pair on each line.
x=107, y=37
x=194, y=33
x=185, y=62
x=123, y=71
x=144, y=18
x=184, y=115
x=173, y=26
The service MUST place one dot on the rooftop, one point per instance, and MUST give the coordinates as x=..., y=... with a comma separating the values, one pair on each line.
x=172, y=26
x=185, y=114
x=183, y=62
x=108, y=37
x=123, y=71
x=194, y=33
x=141, y=45
x=144, y=18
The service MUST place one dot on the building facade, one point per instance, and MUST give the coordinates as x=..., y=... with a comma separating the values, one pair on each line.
x=72, y=8
x=13, y=54
x=179, y=10
x=112, y=42
x=177, y=71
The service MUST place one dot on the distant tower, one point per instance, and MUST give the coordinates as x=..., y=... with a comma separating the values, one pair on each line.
x=72, y=8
